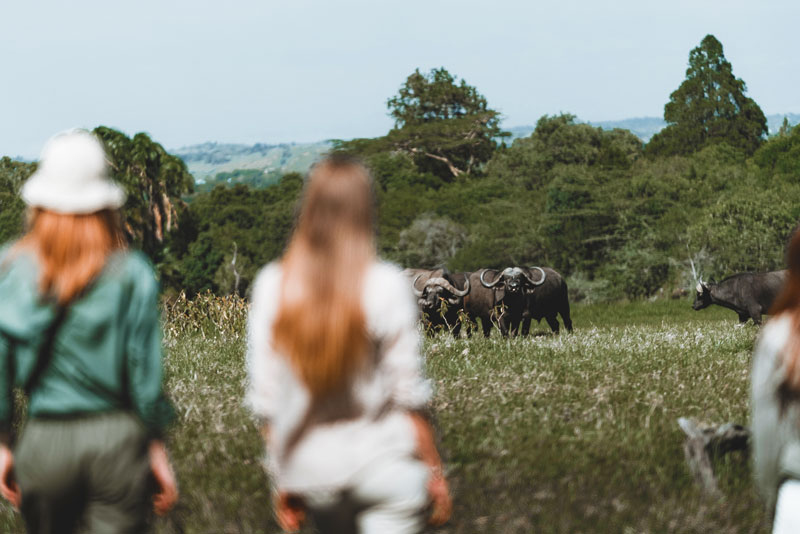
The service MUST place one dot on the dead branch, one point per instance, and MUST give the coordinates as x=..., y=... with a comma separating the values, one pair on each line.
x=703, y=443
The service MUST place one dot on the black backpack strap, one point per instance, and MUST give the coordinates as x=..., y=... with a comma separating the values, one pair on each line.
x=45, y=354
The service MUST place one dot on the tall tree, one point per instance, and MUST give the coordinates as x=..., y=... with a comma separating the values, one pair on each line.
x=446, y=126
x=12, y=175
x=709, y=107
x=154, y=182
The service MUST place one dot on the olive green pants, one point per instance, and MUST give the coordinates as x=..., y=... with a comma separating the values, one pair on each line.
x=84, y=474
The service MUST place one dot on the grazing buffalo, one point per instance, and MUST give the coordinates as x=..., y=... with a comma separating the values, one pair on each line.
x=748, y=294
x=441, y=299
x=547, y=300
x=507, y=290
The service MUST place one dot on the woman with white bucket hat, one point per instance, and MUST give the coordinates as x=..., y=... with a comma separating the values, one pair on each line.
x=80, y=335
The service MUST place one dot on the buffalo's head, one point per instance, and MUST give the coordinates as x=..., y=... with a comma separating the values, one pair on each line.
x=439, y=290
x=514, y=280
x=702, y=296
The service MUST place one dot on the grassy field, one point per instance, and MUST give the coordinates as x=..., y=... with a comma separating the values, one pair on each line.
x=572, y=433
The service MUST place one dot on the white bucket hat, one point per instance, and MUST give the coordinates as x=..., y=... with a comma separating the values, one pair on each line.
x=73, y=176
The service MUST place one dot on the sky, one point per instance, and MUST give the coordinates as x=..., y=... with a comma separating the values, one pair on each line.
x=247, y=71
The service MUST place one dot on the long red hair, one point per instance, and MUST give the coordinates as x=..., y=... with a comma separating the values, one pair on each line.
x=71, y=248
x=320, y=324
x=788, y=302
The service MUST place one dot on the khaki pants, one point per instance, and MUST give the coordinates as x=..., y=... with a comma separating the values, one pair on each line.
x=391, y=498
x=88, y=474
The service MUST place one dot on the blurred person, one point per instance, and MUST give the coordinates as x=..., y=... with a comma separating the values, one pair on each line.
x=80, y=335
x=335, y=372
x=775, y=402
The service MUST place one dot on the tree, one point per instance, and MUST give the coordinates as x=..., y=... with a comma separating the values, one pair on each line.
x=430, y=241
x=709, y=107
x=785, y=128
x=447, y=127
x=154, y=182
x=252, y=225
x=746, y=229
x=779, y=157
x=559, y=140
x=12, y=175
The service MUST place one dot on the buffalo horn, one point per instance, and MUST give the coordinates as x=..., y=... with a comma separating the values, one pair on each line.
x=541, y=280
x=416, y=291
x=448, y=286
x=490, y=284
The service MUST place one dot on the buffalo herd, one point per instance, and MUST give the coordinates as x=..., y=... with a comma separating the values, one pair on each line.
x=508, y=299
x=511, y=298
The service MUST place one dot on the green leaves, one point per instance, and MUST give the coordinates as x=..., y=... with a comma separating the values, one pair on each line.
x=253, y=224
x=709, y=107
x=12, y=210
x=446, y=128
x=154, y=182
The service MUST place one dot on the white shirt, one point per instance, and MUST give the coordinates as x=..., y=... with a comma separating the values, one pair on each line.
x=329, y=454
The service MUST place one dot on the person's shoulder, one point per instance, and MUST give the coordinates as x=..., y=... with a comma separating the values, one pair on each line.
x=267, y=278
x=775, y=334
x=384, y=277
x=4, y=249
x=133, y=270
x=13, y=256
x=388, y=296
x=132, y=263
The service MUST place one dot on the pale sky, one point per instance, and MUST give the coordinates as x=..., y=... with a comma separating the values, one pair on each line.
x=247, y=71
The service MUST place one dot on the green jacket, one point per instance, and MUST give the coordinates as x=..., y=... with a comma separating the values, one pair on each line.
x=106, y=354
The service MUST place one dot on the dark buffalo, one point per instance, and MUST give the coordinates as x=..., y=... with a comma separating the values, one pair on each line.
x=480, y=303
x=547, y=301
x=748, y=294
x=441, y=300
x=440, y=297
x=507, y=291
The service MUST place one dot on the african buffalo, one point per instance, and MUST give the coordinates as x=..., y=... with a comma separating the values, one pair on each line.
x=547, y=300
x=506, y=291
x=441, y=299
x=748, y=294
x=480, y=303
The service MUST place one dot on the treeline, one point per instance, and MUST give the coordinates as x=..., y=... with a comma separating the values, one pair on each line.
x=620, y=219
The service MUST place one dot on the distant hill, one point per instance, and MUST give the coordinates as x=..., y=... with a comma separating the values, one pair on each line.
x=213, y=163
x=646, y=127
x=208, y=159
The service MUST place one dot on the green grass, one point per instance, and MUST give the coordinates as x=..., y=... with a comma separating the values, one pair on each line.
x=572, y=433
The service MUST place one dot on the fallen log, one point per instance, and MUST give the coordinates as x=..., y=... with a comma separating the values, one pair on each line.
x=703, y=443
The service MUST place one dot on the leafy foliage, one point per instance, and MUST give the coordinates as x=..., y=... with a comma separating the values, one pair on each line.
x=709, y=107
x=253, y=224
x=154, y=182
x=12, y=175
x=430, y=241
x=442, y=123
x=446, y=127
x=779, y=157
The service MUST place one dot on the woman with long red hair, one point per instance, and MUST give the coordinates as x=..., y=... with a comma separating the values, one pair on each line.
x=80, y=335
x=775, y=402
x=335, y=372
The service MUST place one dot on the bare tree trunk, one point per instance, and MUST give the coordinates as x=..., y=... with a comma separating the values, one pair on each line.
x=236, y=276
